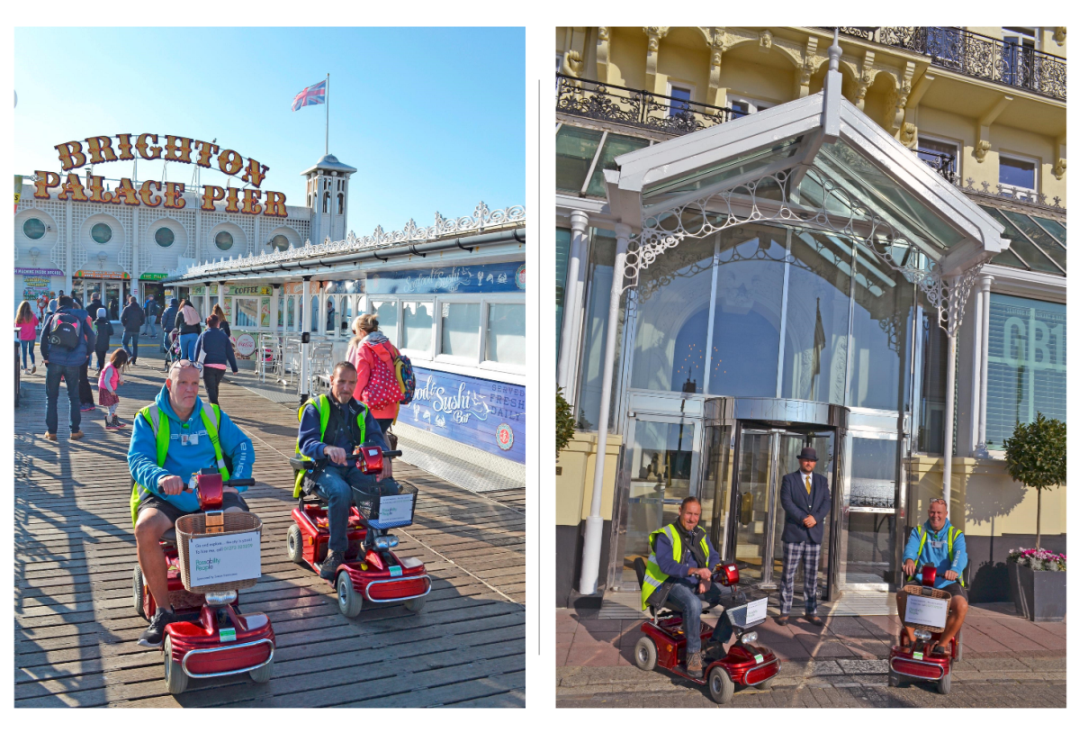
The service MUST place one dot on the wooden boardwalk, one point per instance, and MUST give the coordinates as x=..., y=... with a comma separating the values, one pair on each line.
x=75, y=627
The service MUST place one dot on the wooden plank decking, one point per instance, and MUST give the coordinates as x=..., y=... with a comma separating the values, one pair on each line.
x=75, y=627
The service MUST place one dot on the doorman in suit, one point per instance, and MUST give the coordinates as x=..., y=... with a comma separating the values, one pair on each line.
x=806, y=501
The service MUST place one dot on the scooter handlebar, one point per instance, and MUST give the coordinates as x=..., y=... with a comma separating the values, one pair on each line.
x=391, y=454
x=240, y=482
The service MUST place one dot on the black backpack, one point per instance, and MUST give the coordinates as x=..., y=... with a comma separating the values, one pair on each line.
x=66, y=330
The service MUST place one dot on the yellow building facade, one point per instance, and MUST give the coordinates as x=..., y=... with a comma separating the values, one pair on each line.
x=984, y=108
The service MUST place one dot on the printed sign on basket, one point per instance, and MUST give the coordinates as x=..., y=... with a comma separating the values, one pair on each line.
x=926, y=611
x=224, y=558
x=756, y=611
x=393, y=509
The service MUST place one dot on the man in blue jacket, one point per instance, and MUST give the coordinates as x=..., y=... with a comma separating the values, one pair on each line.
x=75, y=332
x=806, y=501
x=168, y=318
x=937, y=542
x=331, y=426
x=174, y=438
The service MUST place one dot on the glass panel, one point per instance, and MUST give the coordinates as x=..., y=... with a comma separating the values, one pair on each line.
x=790, y=445
x=291, y=313
x=888, y=197
x=112, y=300
x=1047, y=244
x=716, y=484
x=871, y=471
x=600, y=275
x=1030, y=254
x=101, y=233
x=934, y=378
x=941, y=157
x=680, y=97
x=881, y=334
x=614, y=146
x=818, y=315
x=386, y=312
x=749, y=304
x=1008, y=259
x=660, y=464
x=418, y=326
x=575, y=147
x=314, y=313
x=751, y=503
x=33, y=228
x=1027, y=364
x=712, y=176
x=562, y=240
x=506, y=333
x=672, y=319
x=331, y=313
x=346, y=316
x=1055, y=228
x=1019, y=173
x=461, y=329
x=247, y=312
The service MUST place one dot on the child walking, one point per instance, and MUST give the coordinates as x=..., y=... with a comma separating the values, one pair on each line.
x=108, y=380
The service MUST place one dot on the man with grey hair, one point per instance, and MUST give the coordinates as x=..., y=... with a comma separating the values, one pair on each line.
x=937, y=542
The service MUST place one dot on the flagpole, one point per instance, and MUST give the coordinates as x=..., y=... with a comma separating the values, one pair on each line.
x=327, y=113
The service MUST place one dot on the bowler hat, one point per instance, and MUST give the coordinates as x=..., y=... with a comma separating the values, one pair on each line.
x=808, y=454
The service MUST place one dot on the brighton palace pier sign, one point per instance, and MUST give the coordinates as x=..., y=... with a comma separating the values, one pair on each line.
x=104, y=149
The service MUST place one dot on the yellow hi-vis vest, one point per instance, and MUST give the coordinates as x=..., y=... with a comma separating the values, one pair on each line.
x=322, y=404
x=952, y=534
x=160, y=423
x=653, y=576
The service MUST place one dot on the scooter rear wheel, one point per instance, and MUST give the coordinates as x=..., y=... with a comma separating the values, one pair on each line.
x=137, y=590
x=944, y=684
x=644, y=654
x=720, y=685
x=294, y=544
x=349, y=602
x=175, y=677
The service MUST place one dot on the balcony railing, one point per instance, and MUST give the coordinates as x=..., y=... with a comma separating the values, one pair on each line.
x=976, y=55
x=942, y=163
x=636, y=107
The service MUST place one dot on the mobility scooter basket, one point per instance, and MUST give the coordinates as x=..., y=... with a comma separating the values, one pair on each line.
x=386, y=511
x=192, y=526
x=738, y=614
x=913, y=589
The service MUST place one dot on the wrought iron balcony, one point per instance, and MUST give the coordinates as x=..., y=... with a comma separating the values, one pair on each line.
x=942, y=163
x=636, y=107
x=976, y=55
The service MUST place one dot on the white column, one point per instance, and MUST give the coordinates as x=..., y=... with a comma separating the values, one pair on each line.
x=571, y=307
x=274, y=310
x=69, y=251
x=983, y=382
x=593, y=528
x=974, y=373
x=305, y=373
x=136, y=268
x=949, y=422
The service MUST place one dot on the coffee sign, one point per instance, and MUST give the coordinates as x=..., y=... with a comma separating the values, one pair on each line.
x=149, y=146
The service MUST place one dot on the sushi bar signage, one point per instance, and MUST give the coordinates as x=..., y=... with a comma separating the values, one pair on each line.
x=171, y=148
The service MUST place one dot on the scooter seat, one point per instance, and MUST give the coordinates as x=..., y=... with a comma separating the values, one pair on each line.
x=169, y=536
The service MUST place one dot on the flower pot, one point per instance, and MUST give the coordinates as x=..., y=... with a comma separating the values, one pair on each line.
x=1043, y=593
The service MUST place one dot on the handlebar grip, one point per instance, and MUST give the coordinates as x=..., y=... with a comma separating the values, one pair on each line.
x=391, y=454
x=240, y=482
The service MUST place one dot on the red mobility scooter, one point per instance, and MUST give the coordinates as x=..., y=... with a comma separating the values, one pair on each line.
x=917, y=658
x=211, y=638
x=744, y=664
x=371, y=572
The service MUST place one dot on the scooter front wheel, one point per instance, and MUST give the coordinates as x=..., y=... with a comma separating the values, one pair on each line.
x=767, y=684
x=944, y=684
x=720, y=685
x=644, y=654
x=137, y=590
x=175, y=677
x=263, y=673
x=349, y=602
x=416, y=604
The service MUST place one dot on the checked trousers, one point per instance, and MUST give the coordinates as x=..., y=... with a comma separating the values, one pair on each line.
x=806, y=554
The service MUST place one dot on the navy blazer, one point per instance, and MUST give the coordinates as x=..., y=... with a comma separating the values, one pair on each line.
x=798, y=505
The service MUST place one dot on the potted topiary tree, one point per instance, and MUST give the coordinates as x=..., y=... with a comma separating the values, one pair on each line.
x=1037, y=458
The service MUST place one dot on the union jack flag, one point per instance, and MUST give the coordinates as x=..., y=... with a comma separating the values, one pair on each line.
x=315, y=94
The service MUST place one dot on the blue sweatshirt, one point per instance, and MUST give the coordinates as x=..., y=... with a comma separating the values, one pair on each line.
x=214, y=347
x=312, y=446
x=680, y=570
x=936, y=552
x=185, y=460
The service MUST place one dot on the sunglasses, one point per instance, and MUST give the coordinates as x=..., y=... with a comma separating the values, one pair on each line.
x=186, y=363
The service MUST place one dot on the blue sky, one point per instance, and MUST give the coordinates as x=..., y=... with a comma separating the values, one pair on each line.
x=433, y=119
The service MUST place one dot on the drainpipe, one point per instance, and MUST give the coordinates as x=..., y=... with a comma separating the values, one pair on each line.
x=305, y=391
x=593, y=528
x=571, y=320
x=949, y=422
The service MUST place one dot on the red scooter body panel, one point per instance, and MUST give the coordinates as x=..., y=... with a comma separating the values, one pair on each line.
x=391, y=583
x=315, y=528
x=226, y=656
x=740, y=661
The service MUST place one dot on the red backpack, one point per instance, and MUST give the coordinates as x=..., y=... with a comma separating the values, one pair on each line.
x=382, y=388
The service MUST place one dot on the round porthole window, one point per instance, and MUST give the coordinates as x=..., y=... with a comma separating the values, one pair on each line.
x=101, y=233
x=33, y=228
x=279, y=242
x=164, y=237
x=223, y=240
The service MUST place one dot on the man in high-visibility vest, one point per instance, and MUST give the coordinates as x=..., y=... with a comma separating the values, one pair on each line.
x=174, y=438
x=680, y=569
x=941, y=544
x=331, y=426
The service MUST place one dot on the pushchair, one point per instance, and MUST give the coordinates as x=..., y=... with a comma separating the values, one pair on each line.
x=172, y=351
